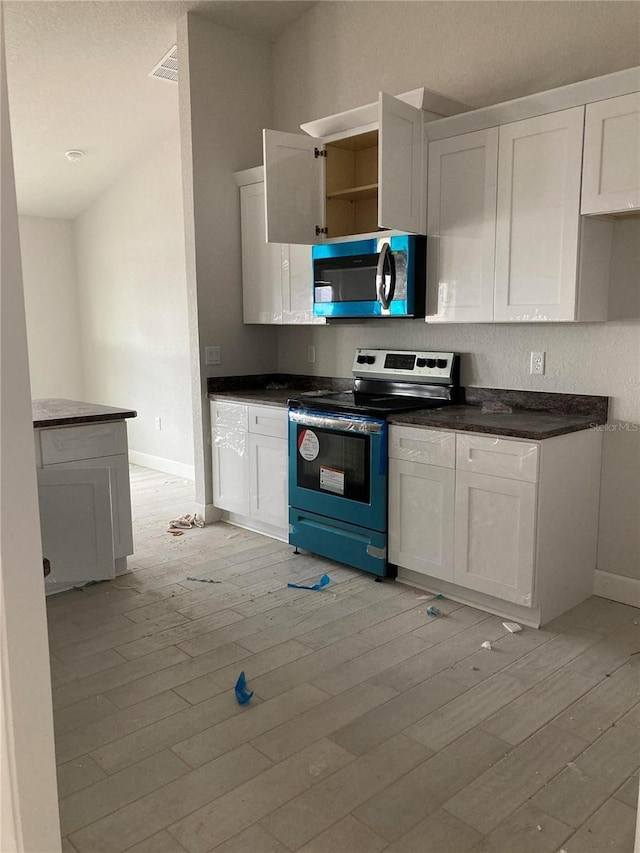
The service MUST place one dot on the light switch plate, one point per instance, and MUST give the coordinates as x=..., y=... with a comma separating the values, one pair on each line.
x=212, y=355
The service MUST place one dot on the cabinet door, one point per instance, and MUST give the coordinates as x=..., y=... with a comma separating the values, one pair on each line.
x=297, y=286
x=495, y=536
x=269, y=490
x=76, y=523
x=230, y=453
x=401, y=199
x=539, y=168
x=421, y=513
x=261, y=261
x=461, y=207
x=611, y=170
x=294, y=184
x=120, y=497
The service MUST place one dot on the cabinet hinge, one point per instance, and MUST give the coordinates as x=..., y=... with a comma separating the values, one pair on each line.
x=320, y=230
x=318, y=153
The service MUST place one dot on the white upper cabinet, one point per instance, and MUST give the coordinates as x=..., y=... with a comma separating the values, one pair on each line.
x=297, y=286
x=401, y=157
x=350, y=183
x=294, y=183
x=261, y=262
x=462, y=227
x=277, y=279
x=611, y=170
x=538, y=208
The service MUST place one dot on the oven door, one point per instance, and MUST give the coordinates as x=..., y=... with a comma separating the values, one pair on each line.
x=338, y=467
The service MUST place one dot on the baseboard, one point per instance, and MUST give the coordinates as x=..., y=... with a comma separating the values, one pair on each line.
x=617, y=588
x=167, y=466
x=208, y=512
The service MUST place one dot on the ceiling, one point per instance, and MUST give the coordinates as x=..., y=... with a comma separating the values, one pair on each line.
x=78, y=79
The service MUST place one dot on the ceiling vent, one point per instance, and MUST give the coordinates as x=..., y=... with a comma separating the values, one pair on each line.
x=167, y=68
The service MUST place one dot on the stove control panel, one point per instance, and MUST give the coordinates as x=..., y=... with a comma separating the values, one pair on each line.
x=406, y=366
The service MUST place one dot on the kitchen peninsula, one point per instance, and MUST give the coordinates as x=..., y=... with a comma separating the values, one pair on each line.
x=83, y=490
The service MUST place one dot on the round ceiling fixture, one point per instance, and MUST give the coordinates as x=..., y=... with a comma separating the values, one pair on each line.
x=74, y=155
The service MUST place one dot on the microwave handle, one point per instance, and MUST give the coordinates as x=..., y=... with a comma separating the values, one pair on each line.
x=385, y=277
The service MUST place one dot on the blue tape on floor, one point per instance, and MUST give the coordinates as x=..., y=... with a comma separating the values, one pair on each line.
x=242, y=694
x=324, y=581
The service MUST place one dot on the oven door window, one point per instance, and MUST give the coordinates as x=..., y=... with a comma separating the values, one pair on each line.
x=334, y=463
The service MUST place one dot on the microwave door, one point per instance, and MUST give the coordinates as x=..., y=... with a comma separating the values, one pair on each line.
x=345, y=280
x=385, y=278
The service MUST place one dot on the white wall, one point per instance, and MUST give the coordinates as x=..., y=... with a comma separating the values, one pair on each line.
x=29, y=813
x=51, y=300
x=133, y=306
x=225, y=101
x=340, y=55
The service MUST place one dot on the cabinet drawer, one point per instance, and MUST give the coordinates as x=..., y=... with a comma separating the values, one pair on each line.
x=229, y=416
x=87, y=441
x=268, y=420
x=498, y=457
x=430, y=446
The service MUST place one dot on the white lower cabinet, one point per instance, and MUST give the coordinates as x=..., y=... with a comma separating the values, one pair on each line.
x=421, y=501
x=250, y=463
x=268, y=460
x=85, y=501
x=230, y=430
x=509, y=525
x=495, y=536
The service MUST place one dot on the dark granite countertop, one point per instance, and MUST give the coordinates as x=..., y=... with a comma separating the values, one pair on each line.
x=258, y=396
x=535, y=414
x=55, y=412
x=522, y=423
x=273, y=389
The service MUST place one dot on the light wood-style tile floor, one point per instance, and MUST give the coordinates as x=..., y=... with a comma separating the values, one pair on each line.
x=373, y=726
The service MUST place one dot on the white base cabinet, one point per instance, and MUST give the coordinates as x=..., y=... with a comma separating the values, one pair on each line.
x=230, y=430
x=268, y=460
x=421, y=503
x=495, y=536
x=250, y=464
x=85, y=501
x=509, y=526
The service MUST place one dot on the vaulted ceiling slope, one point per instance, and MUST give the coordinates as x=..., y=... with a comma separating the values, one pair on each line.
x=78, y=79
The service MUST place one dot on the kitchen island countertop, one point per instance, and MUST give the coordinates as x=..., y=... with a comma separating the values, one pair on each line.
x=57, y=411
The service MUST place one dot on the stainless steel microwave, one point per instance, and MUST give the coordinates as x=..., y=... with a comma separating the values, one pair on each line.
x=381, y=277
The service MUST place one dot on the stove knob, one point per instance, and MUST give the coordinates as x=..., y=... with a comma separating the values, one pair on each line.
x=421, y=362
x=371, y=359
x=431, y=362
x=441, y=362
x=362, y=359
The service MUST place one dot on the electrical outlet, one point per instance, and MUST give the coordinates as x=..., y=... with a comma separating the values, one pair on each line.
x=537, y=363
x=212, y=355
x=311, y=355
x=158, y=424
